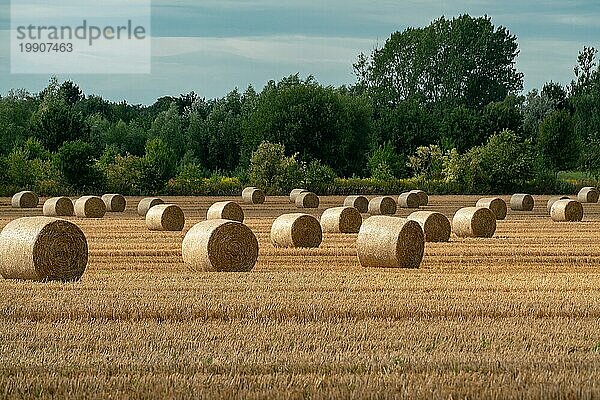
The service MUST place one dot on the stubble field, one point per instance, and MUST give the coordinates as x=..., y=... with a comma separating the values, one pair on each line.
x=515, y=316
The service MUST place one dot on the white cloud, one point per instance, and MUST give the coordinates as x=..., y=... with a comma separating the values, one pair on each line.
x=267, y=49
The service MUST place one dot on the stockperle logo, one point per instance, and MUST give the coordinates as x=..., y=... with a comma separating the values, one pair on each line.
x=80, y=36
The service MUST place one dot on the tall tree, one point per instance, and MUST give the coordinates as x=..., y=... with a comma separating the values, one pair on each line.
x=463, y=61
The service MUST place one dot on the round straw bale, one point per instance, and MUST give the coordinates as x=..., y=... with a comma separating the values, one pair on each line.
x=423, y=197
x=25, y=199
x=294, y=193
x=588, y=195
x=226, y=210
x=566, y=211
x=435, y=225
x=90, y=207
x=383, y=205
x=165, y=217
x=409, y=200
x=361, y=203
x=146, y=204
x=42, y=249
x=341, y=220
x=114, y=202
x=220, y=245
x=296, y=230
x=58, y=207
x=307, y=200
x=496, y=204
x=553, y=200
x=252, y=195
x=477, y=222
x=521, y=202
x=390, y=242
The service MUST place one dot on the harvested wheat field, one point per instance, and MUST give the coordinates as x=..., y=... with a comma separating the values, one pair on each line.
x=515, y=316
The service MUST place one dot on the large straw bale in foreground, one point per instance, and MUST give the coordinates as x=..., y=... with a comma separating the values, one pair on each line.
x=409, y=200
x=521, y=202
x=307, y=200
x=220, y=245
x=390, y=242
x=226, y=210
x=165, y=217
x=423, y=197
x=435, y=225
x=58, y=207
x=479, y=222
x=25, y=199
x=566, y=211
x=147, y=203
x=90, y=207
x=496, y=204
x=294, y=193
x=42, y=249
x=383, y=205
x=252, y=195
x=553, y=200
x=296, y=230
x=588, y=195
x=114, y=202
x=361, y=203
x=341, y=220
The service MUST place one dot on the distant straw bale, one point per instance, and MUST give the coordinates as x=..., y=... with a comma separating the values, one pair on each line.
x=341, y=220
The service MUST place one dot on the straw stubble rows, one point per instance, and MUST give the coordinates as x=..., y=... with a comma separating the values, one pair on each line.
x=513, y=316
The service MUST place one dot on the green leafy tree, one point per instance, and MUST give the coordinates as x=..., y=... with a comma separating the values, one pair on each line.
x=318, y=123
x=168, y=126
x=56, y=121
x=385, y=163
x=158, y=166
x=558, y=145
x=273, y=171
x=427, y=162
x=464, y=61
x=76, y=162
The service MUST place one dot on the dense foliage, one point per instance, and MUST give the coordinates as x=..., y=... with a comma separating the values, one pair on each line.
x=437, y=107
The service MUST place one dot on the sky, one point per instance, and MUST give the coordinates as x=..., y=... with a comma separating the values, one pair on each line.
x=214, y=46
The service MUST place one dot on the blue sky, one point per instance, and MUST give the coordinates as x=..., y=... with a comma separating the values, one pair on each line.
x=213, y=46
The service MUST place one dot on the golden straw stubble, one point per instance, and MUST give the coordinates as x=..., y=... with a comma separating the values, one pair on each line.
x=435, y=225
x=476, y=222
x=165, y=217
x=382, y=205
x=25, y=199
x=361, y=203
x=226, y=210
x=496, y=204
x=341, y=220
x=220, y=245
x=390, y=242
x=90, y=207
x=147, y=203
x=43, y=249
x=58, y=207
x=566, y=211
x=296, y=230
x=114, y=202
x=252, y=195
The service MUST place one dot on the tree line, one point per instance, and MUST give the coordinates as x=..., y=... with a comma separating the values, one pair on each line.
x=441, y=105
